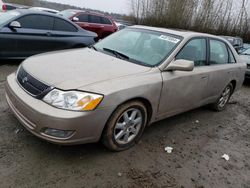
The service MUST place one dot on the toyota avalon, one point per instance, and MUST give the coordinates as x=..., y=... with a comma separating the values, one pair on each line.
x=113, y=90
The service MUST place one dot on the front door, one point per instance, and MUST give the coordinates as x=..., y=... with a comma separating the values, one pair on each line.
x=183, y=90
x=35, y=34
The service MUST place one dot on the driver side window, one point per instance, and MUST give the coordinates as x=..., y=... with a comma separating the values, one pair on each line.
x=195, y=50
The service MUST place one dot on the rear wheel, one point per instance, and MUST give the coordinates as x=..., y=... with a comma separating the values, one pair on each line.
x=125, y=127
x=220, y=104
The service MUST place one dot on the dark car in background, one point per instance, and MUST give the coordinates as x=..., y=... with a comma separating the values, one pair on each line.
x=245, y=57
x=12, y=6
x=99, y=23
x=24, y=33
x=245, y=47
x=237, y=42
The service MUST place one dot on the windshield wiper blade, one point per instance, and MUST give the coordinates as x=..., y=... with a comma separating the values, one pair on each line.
x=117, y=54
x=93, y=47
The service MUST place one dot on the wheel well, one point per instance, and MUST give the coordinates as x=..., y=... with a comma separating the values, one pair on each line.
x=234, y=84
x=145, y=102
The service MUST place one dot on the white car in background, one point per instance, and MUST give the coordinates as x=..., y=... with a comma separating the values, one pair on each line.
x=45, y=9
x=2, y=6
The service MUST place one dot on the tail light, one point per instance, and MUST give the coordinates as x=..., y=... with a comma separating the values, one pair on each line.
x=4, y=8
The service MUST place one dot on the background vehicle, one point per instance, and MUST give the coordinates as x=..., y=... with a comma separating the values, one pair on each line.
x=11, y=6
x=245, y=47
x=245, y=56
x=120, y=26
x=2, y=6
x=237, y=42
x=98, y=23
x=24, y=33
x=135, y=77
x=45, y=9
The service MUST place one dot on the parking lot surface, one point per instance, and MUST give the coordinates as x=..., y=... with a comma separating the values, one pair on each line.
x=199, y=138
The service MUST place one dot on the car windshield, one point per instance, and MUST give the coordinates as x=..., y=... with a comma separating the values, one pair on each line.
x=246, y=52
x=140, y=46
x=66, y=13
x=5, y=17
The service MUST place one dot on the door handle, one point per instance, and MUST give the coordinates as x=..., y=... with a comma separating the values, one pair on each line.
x=204, y=77
x=48, y=34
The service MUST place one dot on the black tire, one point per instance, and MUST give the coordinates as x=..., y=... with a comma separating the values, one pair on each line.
x=108, y=136
x=217, y=105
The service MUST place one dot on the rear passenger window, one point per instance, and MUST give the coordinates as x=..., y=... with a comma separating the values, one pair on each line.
x=218, y=52
x=105, y=21
x=194, y=50
x=83, y=18
x=37, y=22
x=95, y=19
x=62, y=25
x=231, y=56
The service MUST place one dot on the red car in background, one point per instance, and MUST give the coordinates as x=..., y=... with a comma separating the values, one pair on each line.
x=99, y=23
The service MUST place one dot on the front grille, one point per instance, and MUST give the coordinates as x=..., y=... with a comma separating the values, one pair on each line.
x=32, y=85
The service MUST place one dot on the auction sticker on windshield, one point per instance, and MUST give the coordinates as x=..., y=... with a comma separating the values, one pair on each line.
x=169, y=39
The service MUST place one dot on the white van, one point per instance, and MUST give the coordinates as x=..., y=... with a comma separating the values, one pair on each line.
x=2, y=6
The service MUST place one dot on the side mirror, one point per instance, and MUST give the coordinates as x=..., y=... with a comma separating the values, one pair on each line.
x=75, y=19
x=180, y=65
x=14, y=25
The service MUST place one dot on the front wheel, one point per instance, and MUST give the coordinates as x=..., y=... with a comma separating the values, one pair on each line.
x=125, y=126
x=220, y=104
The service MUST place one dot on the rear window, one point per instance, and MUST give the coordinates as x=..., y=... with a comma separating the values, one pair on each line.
x=62, y=25
x=105, y=21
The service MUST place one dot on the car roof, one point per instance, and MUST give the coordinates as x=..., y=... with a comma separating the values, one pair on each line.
x=179, y=32
x=30, y=11
x=42, y=8
x=86, y=11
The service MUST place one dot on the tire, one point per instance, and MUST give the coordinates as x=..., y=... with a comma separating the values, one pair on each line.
x=221, y=102
x=120, y=134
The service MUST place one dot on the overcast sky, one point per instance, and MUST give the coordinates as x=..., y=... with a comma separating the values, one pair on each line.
x=116, y=6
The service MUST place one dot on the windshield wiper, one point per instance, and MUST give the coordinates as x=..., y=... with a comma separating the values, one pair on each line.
x=117, y=54
x=93, y=47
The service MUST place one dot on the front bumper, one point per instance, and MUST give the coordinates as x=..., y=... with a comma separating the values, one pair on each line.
x=36, y=116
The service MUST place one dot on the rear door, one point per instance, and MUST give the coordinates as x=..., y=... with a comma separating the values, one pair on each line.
x=222, y=69
x=184, y=90
x=96, y=25
x=83, y=21
x=35, y=35
x=63, y=34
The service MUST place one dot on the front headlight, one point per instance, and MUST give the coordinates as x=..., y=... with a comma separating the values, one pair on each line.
x=73, y=100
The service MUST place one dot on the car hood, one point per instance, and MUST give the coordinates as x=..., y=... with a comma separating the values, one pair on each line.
x=245, y=58
x=72, y=69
